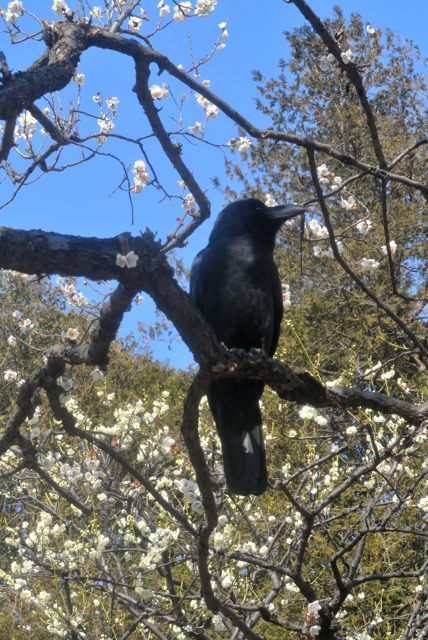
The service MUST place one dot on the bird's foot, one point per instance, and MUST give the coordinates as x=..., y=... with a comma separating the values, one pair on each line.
x=315, y=389
x=239, y=353
x=259, y=353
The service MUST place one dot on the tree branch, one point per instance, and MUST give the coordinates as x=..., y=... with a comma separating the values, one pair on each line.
x=347, y=268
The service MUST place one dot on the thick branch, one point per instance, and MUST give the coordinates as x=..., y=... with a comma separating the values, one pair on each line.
x=8, y=139
x=51, y=72
x=190, y=433
x=51, y=253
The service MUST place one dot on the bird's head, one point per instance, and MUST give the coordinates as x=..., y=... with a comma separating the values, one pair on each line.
x=252, y=216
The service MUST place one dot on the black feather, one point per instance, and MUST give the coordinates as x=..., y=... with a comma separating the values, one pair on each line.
x=235, y=284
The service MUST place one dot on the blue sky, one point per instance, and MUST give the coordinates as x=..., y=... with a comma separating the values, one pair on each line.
x=81, y=201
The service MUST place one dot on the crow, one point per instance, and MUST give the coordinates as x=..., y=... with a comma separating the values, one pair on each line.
x=235, y=284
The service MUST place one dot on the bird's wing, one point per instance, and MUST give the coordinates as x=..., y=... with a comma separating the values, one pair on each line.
x=278, y=310
x=196, y=280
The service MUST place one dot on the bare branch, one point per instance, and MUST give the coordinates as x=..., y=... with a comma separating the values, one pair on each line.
x=348, y=269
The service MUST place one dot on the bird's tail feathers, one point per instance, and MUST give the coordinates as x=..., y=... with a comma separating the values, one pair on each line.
x=236, y=411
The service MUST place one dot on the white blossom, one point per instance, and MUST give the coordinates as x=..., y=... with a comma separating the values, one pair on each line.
x=286, y=300
x=314, y=630
x=351, y=431
x=11, y=341
x=121, y=260
x=204, y=7
x=141, y=177
x=423, y=504
x=392, y=246
x=270, y=201
x=96, y=12
x=60, y=7
x=319, y=252
x=196, y=128
x=241, y=144
x=364, y=227
x=211, y=111
x=134, y=24
x=168, y=443
x=159, y=92
x=387, y=375
x=189, y=202
x=314, y=607
x=307, y=412
x=79, y=79
x=197, y=507
x=370, y=30
x=323, y=173
x=348, y=203
x=164, y=9
x=112, y=103
x=72, y=334
x=316, y=230
x=217, y=623
x=25, y=325
x=27, y=123
x=129, y=261
x=14, y=11
x=226, y=582
x=182, y=11
x=10, y=375
x=369, y=264
x=346, y=56
x=105, y=124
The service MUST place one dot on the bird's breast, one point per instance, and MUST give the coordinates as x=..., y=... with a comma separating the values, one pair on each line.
x=238, y=293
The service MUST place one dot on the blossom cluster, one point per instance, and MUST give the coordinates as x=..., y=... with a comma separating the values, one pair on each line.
x=347, y=202
x=15, y=10
x=211, y=111
x=60, y=7
x=71, y=293
x=141, y=176
x=241, y=144
x=184, y=9
x=159, y=92
x=138, y=541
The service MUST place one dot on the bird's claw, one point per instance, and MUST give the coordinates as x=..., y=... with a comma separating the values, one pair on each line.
x=240, y=353
x=254, y=351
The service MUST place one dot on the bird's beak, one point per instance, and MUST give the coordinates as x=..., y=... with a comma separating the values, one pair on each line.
x=285, y=212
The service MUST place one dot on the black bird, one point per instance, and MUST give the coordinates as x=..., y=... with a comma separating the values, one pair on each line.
x=234, y=282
